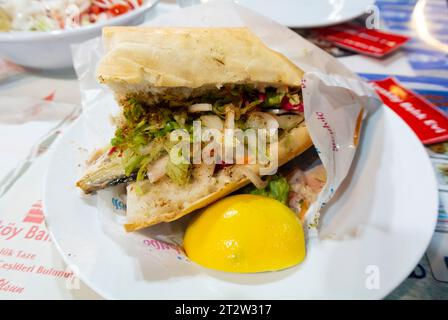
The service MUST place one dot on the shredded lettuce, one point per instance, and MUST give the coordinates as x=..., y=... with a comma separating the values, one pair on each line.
x=118, y=139
x=219, y=109
x=251, y=105
x=273, y=99
x=42, y=24
x=179, y=173
x=294, y=99
x=135, y=161
x=169, y=126
x=277, y=188
x=141, y=173
x=133, y=111
x=143, y=125
x=131, y=161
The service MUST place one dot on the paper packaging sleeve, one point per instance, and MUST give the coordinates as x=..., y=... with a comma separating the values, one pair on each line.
x=335, y=99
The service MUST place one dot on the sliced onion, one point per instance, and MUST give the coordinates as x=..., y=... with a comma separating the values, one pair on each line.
x=212, y=121
x=134, y=3
x=252, y=176
x=287, y=105
x=262, y=120
x=200, y=107
x=102, y=4
x=230, y=117
x=157, y=169
x=148, y=148
x=289, y=121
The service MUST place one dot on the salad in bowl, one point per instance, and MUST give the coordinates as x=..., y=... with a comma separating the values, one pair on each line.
x=39, y=33
x=50, y=15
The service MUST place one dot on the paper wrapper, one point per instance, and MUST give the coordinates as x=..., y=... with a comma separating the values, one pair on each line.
x=335, y=100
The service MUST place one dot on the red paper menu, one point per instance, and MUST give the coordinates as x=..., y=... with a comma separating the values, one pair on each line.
x=356, y=38
x=429, y=123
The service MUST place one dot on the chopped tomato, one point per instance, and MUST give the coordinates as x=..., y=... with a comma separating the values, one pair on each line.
x=112, y=150
x=119, y=9
x=95, y=10
x=131, y=3
x=287, y=105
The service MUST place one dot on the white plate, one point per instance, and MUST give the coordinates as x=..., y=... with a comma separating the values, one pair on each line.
x=390, y=197
x=309, y=13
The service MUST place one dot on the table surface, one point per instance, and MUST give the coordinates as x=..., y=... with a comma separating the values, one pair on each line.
x=418, y=60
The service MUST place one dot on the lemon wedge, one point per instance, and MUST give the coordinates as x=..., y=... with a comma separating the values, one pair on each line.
x=245, y=233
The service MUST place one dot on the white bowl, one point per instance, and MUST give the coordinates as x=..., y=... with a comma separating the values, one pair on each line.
x=51, y=50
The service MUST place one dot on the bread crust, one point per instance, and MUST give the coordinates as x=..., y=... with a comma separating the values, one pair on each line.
x=141, y=58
